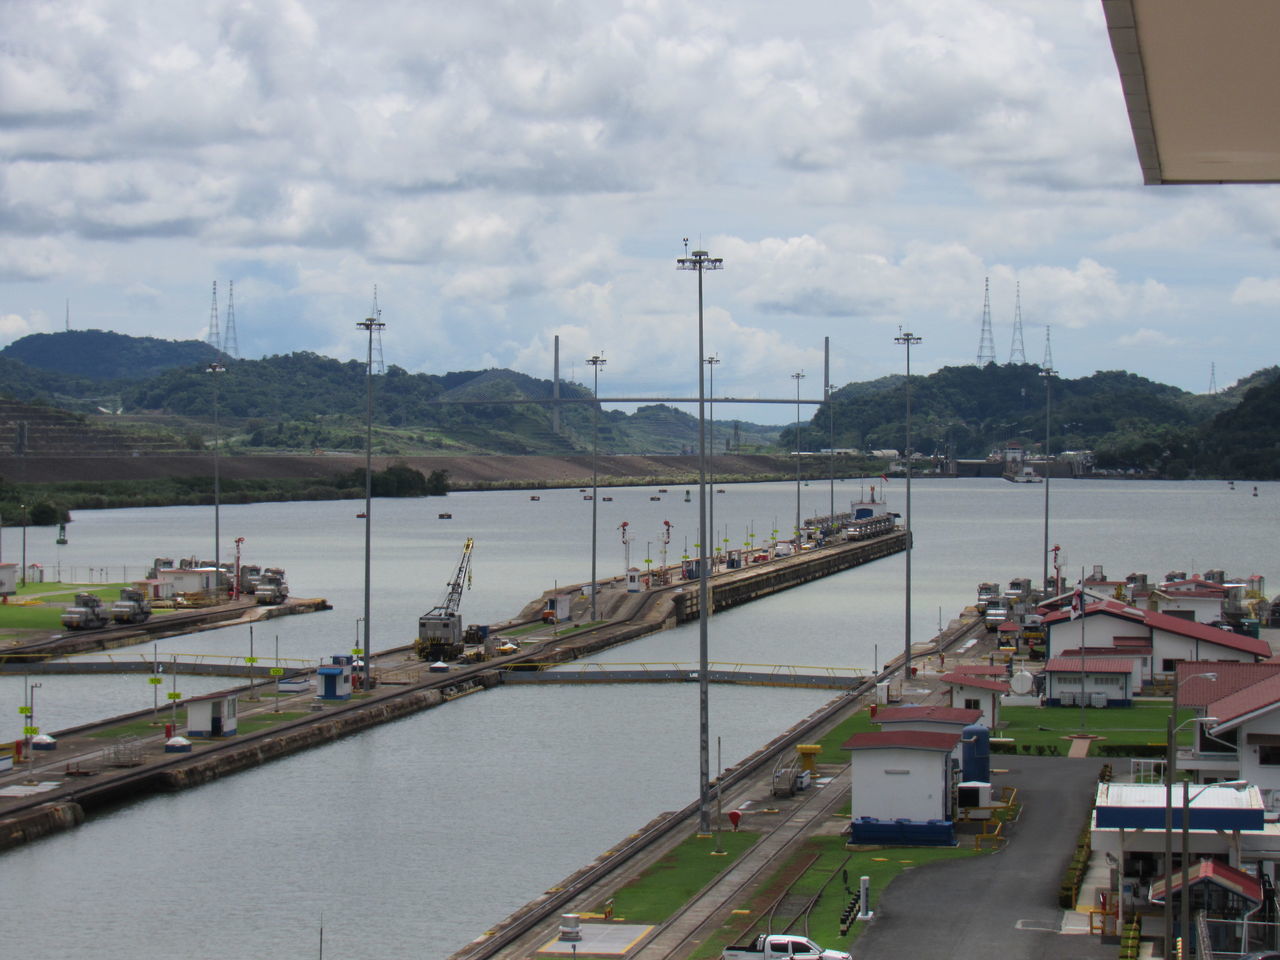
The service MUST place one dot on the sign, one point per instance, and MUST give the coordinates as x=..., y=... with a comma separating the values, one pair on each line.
x=251, y=660
x=277, y=671
x=356, y=651
x=24, y=710
x=30, y=731
x=155, y=680
x=174, y=695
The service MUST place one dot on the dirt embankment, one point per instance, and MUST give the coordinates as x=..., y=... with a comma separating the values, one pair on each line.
x=463, y=472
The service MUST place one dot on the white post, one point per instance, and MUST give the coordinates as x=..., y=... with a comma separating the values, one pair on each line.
x=864, y=899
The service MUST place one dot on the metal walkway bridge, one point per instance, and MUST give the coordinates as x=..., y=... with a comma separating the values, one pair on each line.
x=751, y=674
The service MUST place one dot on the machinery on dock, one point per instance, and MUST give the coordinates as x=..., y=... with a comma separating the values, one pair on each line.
x=87, y=613
x=440, y=628
x=132, y=607
x=271, y=588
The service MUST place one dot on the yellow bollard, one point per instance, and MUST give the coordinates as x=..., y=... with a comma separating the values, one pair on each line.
x=809, y=756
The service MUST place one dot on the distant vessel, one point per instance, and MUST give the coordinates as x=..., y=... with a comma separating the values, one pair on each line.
x=535, y=498
x=655, y=498
x=444, y=516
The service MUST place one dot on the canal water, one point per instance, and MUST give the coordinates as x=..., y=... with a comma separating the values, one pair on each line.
x=411, y=839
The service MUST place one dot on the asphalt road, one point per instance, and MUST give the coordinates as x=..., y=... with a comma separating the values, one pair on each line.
x=1004, y=905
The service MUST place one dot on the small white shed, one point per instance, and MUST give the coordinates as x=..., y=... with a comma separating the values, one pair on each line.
x=212, y=716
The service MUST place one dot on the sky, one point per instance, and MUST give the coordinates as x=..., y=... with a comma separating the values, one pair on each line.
x=506, y=171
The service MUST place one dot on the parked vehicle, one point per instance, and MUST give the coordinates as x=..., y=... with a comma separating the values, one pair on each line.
x=774, y=946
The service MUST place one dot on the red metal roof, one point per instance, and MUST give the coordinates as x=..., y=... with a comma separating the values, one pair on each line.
x=1119, y=650
x=1009, y=627
x=1196, y=691
x=971, y=680
x=1169, y=624
x=981, y=669
x=903, y=739
x=1091, y=665
x=1236, y=707
x=1237, y=881
x=936, y=713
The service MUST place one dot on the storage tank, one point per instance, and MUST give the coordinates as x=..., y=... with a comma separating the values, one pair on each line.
x=975, y=757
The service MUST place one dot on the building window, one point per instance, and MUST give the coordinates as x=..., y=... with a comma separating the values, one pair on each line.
x=972, y=704
x=1269, y=756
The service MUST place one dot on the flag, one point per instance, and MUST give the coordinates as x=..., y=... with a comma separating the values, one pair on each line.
x=1077, y=602
x=884, y=478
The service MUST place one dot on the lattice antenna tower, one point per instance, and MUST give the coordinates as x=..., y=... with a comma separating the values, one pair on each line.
x=986, y=343
x=1018, y=350
x=230, y=343
x=1048, y=350
x=379, y=365
x=214, y=339
x=1213, y=378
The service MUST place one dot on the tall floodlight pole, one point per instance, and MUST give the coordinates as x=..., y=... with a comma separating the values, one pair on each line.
x=711, y=438
x=831, y=423
x=797, y=377
x=216, y=368
x=370, y=325
x=596, y=362
x=907, y=340
x=1048, y=374
x=701, y=261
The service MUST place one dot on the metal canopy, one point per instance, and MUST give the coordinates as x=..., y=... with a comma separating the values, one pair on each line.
x=1200, y=79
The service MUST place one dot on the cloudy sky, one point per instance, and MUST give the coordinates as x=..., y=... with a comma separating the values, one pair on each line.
x=508, y=171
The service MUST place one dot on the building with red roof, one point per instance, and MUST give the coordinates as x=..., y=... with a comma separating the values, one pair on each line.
x=1114, y=624
x=975, y=692
x=902, y=774
x=1099, y=681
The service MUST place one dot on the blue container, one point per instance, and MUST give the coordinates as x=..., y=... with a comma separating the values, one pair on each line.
x=975, y=757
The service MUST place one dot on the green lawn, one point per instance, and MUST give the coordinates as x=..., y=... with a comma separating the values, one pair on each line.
x=1144, y=724
x=673, y=881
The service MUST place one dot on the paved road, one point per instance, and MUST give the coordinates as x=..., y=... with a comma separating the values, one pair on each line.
x=1001, y=906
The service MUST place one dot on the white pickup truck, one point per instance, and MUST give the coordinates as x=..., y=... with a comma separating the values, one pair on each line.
x=781, y=946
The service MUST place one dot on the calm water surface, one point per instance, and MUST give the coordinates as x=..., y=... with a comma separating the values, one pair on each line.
x=438, y=825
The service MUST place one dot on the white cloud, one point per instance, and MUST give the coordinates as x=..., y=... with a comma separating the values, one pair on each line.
x=1252, y=291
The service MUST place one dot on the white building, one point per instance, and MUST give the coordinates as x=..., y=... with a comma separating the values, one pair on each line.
x=1104, y=681
x=971, y=691
x=902, y=774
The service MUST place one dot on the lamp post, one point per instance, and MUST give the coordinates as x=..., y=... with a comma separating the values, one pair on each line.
x=1170, y=769
x=216, y=368
x=370, y=325
x=1048, y=374
x=31, y=727
x=711, y=444
x=1186, y=847
x=701, y=262
x=797, y=377
x=596, y=362
x=22, y=507
x=907, y=340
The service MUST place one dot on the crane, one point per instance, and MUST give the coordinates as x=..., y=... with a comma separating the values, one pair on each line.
x=440, y=628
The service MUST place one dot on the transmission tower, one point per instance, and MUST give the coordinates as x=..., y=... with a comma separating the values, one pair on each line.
x=1213, y=378
x=230, y=345
x=1017, y=351
x=1048, y=350
x=379, y=366
x=986, y=343
x=214, y=339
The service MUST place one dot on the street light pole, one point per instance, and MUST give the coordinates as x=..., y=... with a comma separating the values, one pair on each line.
x=907, y=340
x=370, y=325
x=1186, y=847
x=216, y=368
x=596, y=362
x=711, y=437
x=701, y=262
x=797, y=377
x=1170, y=770
x=1048, y=374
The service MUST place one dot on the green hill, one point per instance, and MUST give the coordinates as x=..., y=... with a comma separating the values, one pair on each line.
x=103, y=355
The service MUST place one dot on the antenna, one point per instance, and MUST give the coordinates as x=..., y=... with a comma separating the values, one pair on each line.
x=230, y=345
x=1213, y=378
x=379, y=365
x=986, y=343
x=68, y=319
x=1048, y=350
x=214, y=339
x=1018, y=351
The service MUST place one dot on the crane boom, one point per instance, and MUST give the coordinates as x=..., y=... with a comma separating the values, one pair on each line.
x=453, y=599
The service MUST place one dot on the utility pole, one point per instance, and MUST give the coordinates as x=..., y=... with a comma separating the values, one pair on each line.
x=908, y=339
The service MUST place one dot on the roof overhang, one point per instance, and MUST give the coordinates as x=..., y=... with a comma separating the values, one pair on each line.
x=1201, y=81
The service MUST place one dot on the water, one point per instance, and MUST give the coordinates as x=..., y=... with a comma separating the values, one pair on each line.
x=413, y=838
